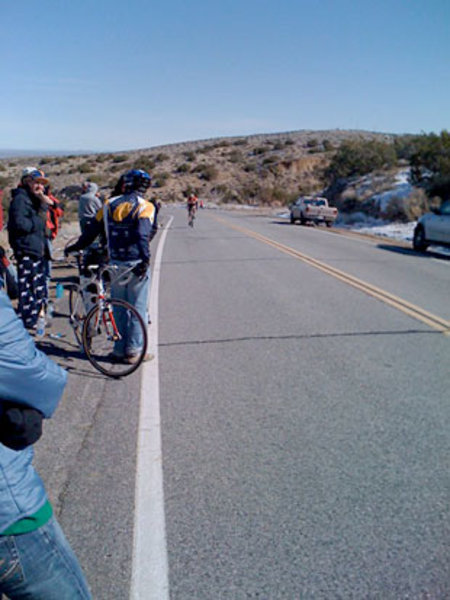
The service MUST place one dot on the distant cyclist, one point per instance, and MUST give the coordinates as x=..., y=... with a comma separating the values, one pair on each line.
x=192, y=205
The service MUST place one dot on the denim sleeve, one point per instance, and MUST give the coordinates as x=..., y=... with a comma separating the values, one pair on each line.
x=27, y=376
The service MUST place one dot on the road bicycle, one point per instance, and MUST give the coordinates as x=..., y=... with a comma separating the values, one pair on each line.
x=99, y=321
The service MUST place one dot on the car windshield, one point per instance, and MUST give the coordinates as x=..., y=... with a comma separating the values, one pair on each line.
x=319, y=202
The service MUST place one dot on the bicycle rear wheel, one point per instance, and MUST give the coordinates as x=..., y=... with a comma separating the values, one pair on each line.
x=107, y=327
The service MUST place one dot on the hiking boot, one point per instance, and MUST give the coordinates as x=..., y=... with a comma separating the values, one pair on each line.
x=131, y=359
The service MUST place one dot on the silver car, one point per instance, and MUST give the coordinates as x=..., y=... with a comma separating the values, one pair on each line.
x=433, y=228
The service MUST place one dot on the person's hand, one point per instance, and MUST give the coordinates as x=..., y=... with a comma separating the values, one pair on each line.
x=44, y=198
x=20, y=426
x=140, y=270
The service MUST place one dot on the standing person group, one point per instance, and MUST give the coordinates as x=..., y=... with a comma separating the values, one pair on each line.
x=27, y=237
x=128, y=223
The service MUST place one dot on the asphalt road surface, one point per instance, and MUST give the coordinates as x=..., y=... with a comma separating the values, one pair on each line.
x=304, y=400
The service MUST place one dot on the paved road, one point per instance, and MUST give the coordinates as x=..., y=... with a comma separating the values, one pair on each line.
x=304, y=421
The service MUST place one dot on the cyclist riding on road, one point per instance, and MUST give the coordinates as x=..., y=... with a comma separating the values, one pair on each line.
x=192, y=204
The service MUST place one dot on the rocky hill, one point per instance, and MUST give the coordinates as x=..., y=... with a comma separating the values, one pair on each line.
x=267, y=169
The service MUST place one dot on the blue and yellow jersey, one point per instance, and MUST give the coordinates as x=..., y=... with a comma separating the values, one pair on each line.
x=129, y=223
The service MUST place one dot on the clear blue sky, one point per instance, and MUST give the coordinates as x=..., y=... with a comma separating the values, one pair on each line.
x=111, y=75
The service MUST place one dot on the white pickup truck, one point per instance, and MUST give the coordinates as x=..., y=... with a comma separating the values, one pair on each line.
x=313, y=209
x=433, y=228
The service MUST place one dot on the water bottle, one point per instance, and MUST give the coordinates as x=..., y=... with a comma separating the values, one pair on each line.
x=59, y=290
x=40, y=324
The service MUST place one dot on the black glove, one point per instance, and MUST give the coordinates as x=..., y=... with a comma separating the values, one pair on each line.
x=140, y=270
x=20, y=426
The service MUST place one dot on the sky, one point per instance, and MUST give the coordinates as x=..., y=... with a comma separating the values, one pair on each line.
x=110, y=75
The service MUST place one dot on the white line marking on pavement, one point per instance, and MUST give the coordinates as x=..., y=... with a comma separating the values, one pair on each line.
x=149, y=577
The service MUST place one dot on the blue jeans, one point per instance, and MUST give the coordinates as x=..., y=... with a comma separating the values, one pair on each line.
x=136, y=293
x=41, y=565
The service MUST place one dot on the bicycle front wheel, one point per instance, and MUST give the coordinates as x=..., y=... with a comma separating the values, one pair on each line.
x=108, y=329
x=77, y=312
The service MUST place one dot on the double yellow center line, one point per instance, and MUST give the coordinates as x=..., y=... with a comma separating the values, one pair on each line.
x=406, y=307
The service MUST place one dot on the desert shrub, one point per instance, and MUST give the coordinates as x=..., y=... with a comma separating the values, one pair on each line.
x=183, y=168
x=161, y=157
x=327, y=145
x=160, y=179
x=101, y=158
x=99, y=178
x=250, y=168
x=210, y=172
x=260, y=150
x=289, y=142
x=359, y=158
x=207, y=172
x=395, y=210
x=416, y=204
x=430, y=164
x=4, y=181
x=240, y=142
x=2, y=167
x=85, y=167
x=190, y=156
x=225, y=194
x=120, y=158
x=235, y=156
x=312, y=143
x=146, y=163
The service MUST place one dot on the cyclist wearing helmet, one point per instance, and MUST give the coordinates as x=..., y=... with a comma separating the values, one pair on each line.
x=128, y=222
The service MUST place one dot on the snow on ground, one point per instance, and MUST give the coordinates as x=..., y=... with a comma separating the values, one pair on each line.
x=396, y=231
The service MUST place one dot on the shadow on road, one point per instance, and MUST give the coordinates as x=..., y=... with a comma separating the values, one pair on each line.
x=412, y=252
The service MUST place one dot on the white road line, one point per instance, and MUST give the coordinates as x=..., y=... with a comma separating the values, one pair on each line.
x=149, y=577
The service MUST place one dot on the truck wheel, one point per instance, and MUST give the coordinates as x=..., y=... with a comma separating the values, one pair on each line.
x=328, y=223
x=419, y=241
x=302, y=220
x=292, y=219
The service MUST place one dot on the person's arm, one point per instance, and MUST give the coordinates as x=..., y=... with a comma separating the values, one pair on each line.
x=93, y=229
x=20, y=218
x=146, y=221
x=27, y=376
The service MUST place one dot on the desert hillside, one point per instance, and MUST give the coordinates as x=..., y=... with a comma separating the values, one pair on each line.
x=258, y=169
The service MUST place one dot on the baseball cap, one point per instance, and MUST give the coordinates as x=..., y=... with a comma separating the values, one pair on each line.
x=35, y=174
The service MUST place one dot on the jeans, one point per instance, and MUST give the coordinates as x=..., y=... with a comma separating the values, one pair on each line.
x=136, y=293
x=40, y=565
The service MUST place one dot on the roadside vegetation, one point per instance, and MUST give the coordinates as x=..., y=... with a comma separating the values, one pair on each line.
x=354, y=169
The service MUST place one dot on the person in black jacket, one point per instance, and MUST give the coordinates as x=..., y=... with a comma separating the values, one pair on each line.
x=26, y=232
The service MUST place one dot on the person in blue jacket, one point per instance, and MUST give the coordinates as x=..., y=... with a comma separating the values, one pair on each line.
x=128, y=222
x=36, y=561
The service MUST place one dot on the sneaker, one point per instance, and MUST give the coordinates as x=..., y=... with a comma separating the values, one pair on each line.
x=131, y=359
